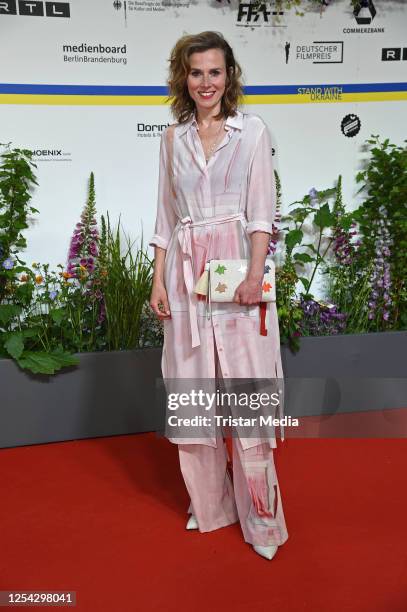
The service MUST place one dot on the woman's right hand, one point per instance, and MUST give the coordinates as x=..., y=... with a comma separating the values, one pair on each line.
x=159, y=301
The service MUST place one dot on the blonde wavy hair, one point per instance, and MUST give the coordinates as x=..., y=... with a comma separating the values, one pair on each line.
x=182, y=105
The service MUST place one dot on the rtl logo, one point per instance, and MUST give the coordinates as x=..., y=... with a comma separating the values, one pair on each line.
x=34, y=8
x=394, y=54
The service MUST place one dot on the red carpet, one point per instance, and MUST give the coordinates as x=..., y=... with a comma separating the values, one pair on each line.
x=106, y=518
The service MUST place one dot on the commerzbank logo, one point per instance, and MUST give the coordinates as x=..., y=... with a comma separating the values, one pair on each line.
x=364, y=12
x=34, y=8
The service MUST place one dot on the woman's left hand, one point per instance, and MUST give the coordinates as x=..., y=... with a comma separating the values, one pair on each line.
x=248, y=292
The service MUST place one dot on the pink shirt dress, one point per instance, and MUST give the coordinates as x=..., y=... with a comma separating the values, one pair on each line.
x=208, y=211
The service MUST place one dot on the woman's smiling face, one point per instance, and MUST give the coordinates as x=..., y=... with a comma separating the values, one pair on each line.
x=207, y=75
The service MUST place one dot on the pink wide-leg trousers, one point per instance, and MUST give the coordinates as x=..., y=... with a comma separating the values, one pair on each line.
x=253, y=498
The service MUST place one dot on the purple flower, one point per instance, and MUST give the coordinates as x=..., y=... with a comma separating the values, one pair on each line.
x=83, y=248
x=53, y=294
x=8, y=263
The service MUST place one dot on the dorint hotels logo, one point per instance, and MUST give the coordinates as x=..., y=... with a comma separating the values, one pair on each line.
x=34, y=8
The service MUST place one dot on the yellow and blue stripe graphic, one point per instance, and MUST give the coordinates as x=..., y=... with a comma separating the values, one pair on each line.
x=129, y=95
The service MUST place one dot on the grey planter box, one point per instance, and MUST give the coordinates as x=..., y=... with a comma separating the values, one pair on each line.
x=113, y=393
x=109, y=393
x=347, y=373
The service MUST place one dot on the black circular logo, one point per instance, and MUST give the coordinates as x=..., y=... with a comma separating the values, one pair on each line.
x=350, y=125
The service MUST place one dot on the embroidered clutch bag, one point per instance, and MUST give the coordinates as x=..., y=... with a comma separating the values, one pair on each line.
x=222, y=276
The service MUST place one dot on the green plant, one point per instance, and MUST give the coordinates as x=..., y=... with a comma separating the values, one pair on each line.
x=289, y=313
x=316, y=211
x=151, y=328
x=313, y=210
x=383, y=226
x=286, y=280
x=298, y=5
x=98, y=303
x=21, y=340
x=347, y=283
x=16, y=181
x=126, y=288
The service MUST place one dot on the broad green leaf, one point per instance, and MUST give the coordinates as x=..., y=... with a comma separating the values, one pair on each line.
x=303, y=257
x=57, y=315
x=311, y=246
x=31, y=332
x=323, y=217
x=46, y=363
x=8, y=311
x=293, y=237
x=305, y=282
x=15, y=344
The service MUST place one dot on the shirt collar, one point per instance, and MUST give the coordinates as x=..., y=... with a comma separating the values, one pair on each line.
x=234, y=122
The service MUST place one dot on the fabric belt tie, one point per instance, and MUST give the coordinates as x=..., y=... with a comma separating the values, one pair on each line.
x=184, y=238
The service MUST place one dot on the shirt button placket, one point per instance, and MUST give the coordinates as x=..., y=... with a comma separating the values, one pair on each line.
x=221, y=353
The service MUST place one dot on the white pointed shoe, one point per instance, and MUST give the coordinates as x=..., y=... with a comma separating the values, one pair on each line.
x=192, y=522
x=267, y=552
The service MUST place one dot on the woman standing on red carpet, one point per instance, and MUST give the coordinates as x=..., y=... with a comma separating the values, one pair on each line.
x=216, y=200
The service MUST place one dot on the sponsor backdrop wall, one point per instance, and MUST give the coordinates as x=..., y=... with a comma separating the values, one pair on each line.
x=82, y=84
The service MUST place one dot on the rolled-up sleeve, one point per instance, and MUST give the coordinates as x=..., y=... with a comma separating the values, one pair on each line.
x=166, y=217
x=261, y=194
